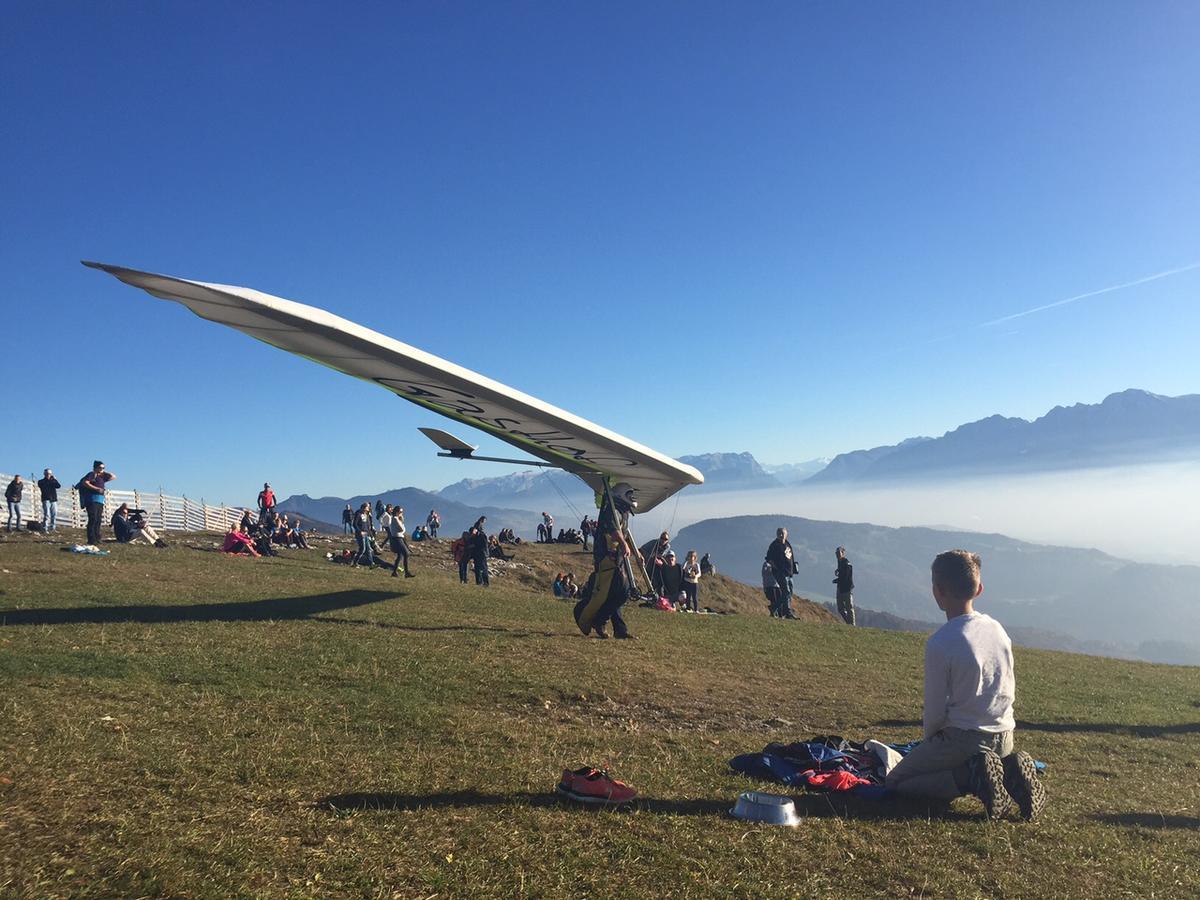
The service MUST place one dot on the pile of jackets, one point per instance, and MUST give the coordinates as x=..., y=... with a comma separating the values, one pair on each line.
x=826, y=763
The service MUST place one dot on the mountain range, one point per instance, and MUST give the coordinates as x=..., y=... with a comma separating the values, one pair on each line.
x=1076, y=599
x=1130, y=426
x=547, y=489
x=325, y=513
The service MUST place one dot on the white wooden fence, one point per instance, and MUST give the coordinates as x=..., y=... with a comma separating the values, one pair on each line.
x=162, y=510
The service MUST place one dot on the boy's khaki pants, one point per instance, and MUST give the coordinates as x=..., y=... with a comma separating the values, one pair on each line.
x=938, y=766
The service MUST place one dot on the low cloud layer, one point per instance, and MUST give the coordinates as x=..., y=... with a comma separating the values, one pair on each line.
x=1147, y=514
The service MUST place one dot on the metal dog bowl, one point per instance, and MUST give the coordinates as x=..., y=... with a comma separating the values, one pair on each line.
x=771, y=809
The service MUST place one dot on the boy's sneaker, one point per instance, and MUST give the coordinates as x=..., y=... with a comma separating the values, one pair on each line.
x=985, y=774
x=1022, y=783
x=591, y=785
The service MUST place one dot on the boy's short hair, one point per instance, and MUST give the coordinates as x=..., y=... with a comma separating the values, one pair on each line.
x=957, y=573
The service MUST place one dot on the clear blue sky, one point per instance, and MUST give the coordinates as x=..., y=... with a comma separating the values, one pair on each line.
x=766, y=227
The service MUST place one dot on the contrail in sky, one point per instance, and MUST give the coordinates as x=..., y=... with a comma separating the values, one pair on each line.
x=1108, y=290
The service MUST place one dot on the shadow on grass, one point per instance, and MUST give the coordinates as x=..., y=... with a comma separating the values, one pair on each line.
x=469, y=798
x=893, y=808
x=497, y=629
x=1143, y=731
x=279, y=608
x=1148, y=820
x=817, y=806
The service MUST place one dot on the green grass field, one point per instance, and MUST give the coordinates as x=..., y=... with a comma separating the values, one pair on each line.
x=177, y=723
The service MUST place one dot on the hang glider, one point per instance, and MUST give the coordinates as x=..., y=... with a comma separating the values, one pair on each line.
x=554, y=435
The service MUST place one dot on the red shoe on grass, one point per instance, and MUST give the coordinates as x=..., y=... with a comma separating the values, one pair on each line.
x=591, y=785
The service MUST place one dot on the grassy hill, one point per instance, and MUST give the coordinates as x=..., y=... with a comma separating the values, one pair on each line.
x=177, y=723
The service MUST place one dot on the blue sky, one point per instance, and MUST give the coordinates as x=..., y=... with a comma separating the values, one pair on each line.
x=771, y=227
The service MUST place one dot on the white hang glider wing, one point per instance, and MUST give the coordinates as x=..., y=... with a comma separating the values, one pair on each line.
x=544, y=431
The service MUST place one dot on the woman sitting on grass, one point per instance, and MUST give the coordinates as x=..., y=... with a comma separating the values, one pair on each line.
x=558, y=585
x=238, y=542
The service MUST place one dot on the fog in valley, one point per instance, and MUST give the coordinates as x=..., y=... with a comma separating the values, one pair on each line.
x=1145, y=513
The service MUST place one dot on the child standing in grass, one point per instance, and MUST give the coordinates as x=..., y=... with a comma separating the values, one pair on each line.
x=969, y=691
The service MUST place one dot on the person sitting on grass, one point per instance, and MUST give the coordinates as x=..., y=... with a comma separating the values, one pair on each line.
x=558, y=585
x=238, y=542
x=570, y=587
x=246, y=525
x=298, y=538
x=130, y=526
x=969, y=692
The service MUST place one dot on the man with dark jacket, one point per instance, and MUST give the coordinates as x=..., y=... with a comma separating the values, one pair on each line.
x=844, y=579
x=655, y=553
x=48, y=487
x=347, y=520
x=477, y=547
x=783, y=563
x=667, y=579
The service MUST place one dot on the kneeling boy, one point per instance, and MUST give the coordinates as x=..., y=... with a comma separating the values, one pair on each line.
x=969, y=690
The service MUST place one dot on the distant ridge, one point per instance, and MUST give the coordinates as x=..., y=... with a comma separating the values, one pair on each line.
x=1061, y=597
x=1130, y=426
x=542, y=490
x=456, y=517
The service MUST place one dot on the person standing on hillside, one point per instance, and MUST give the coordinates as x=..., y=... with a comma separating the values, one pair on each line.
x=783, y=563
x=92, y=488
x=548, y=523
x=48, y=487
x=397, y=541
x=654, y=553
x=770, y=588
x=477, y=547
x=347, y=520
x=266, y=500
x=970, y=686
x=613, y=552
x=363, y=529
x=433, y=522
x=844, y=579
x=12, y=494
x=691, y=581
x=585, y=530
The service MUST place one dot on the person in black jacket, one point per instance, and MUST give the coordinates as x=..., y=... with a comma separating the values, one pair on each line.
x=12, y=494
x=844, y=579
x=667, y=579
x=477, y=547
x=783, y=563
x=48, y=486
